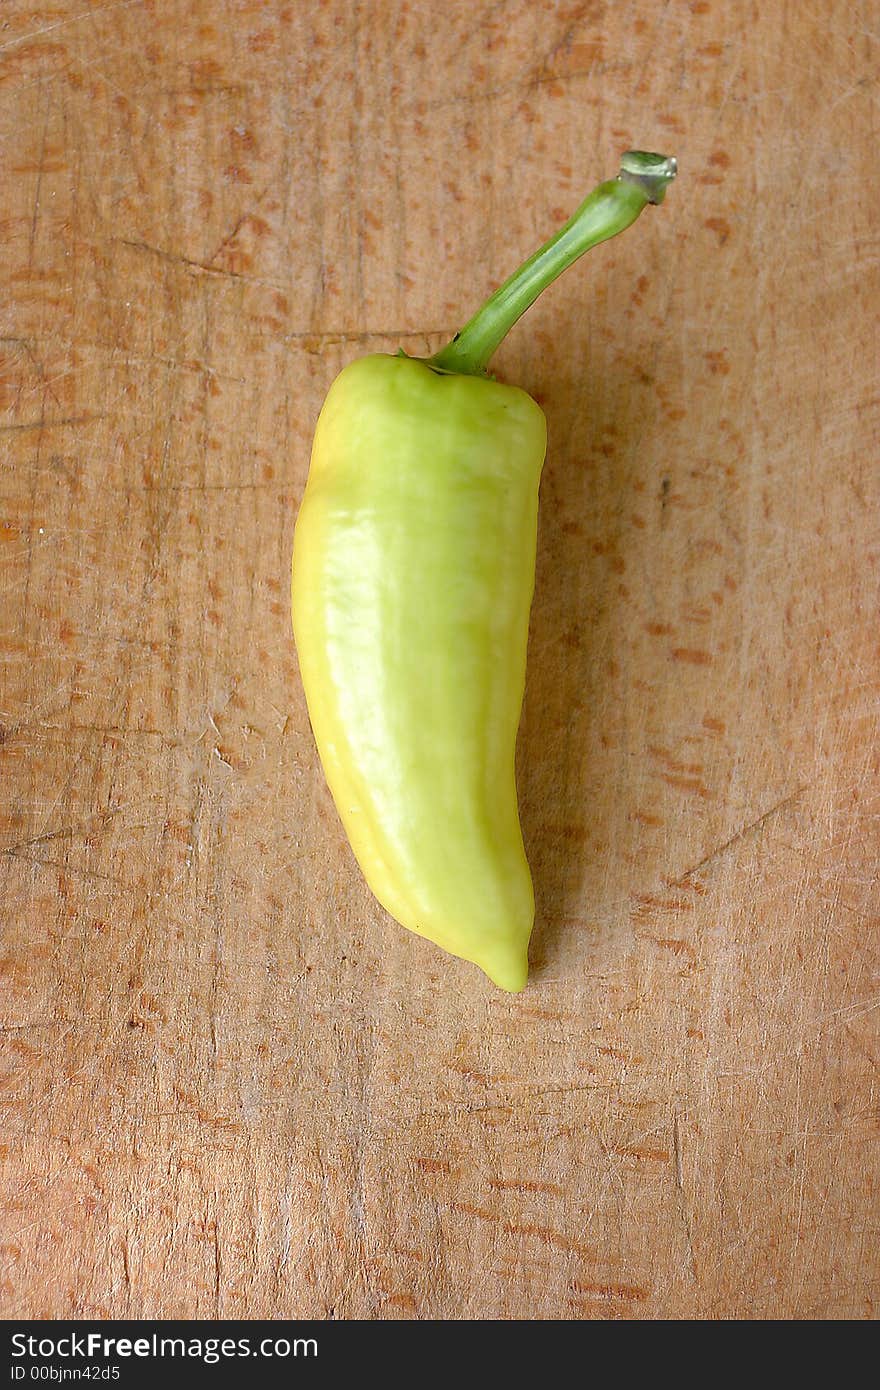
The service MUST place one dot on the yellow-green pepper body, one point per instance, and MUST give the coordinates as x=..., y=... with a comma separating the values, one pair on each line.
x=413, y=572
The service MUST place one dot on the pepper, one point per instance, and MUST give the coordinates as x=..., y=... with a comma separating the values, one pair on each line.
x=413, y=574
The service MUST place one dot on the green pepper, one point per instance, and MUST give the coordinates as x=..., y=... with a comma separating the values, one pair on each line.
x=413, y=573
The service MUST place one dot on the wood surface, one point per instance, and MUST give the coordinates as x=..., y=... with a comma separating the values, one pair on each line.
x=232, y=1086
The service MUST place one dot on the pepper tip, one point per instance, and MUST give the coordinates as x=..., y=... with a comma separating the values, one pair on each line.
x=509, y=971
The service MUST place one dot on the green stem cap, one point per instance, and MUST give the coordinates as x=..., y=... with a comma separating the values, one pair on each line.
x=609, y=209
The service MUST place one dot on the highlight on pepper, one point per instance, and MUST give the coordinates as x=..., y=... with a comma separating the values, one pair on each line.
x=413, y=573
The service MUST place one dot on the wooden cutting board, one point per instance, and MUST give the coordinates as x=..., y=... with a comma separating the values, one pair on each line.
x=233, y=1086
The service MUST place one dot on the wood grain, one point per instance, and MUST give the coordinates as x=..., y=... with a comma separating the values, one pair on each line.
x=233, y=1087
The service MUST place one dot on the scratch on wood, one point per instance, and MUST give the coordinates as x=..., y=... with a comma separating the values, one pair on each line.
x=746, y=830
x=43, y=424
x=217, y=1270
x=66, y=23
x=676, y=1145
x=202, y=267
x=679, y=1185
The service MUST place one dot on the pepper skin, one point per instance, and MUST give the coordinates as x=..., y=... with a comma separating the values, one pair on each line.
x=414, y=565
x=413, y=572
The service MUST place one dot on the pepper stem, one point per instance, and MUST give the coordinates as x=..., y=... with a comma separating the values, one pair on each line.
x=609, y=209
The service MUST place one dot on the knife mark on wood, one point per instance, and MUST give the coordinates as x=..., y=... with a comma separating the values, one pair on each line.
x=754, y=825
x=43, y=424
x=679, y=1186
